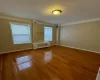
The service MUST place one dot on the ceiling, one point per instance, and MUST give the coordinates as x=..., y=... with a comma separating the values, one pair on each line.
x=73, y=10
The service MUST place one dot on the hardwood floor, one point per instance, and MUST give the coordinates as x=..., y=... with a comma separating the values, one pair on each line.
x=54, y=63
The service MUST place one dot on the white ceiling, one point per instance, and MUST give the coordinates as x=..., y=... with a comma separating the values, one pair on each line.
x=73, y=10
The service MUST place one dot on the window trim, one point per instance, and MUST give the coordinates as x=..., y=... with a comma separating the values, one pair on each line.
x=20, y=24
x=44, y=33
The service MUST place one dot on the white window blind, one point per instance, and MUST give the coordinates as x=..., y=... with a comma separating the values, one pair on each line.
x=48, y=33
x=21, y=33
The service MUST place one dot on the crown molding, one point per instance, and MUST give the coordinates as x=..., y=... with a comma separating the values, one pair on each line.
x=82, y=21
x=44, y=23
x=15, y=18
x=24, y=20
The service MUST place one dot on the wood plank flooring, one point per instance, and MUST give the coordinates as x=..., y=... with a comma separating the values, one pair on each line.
x=54, y=63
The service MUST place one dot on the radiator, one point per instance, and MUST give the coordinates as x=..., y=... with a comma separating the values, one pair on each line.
x=98, y=75
x=41, y=45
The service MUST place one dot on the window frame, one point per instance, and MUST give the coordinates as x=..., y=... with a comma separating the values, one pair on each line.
x=44, y=33
x=16, y=23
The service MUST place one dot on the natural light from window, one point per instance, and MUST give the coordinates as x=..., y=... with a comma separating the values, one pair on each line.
x=21, y=33
x=47, y=33
x=24, y=62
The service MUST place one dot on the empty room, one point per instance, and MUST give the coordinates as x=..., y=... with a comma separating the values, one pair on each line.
x=49, y=39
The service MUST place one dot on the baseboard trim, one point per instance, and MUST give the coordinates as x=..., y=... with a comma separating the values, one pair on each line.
x=20, y=50
x=52, y=45
x=16, y=50
x=80, y=49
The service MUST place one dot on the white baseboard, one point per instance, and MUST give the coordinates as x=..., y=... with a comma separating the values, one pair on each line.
x=20, y=50
x=81, y=49
x=52, y=45
x=15, y=50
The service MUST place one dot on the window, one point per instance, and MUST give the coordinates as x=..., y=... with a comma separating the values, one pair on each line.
x=48, y=33
x=21, y=33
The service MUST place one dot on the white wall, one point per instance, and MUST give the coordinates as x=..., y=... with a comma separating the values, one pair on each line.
x=84, y=36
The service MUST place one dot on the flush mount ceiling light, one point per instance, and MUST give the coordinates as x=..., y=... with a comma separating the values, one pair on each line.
x=57, y=12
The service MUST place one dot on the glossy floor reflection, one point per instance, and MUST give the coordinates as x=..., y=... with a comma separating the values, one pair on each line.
x=23, y=62
x=47, y=56
x=54, y=63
